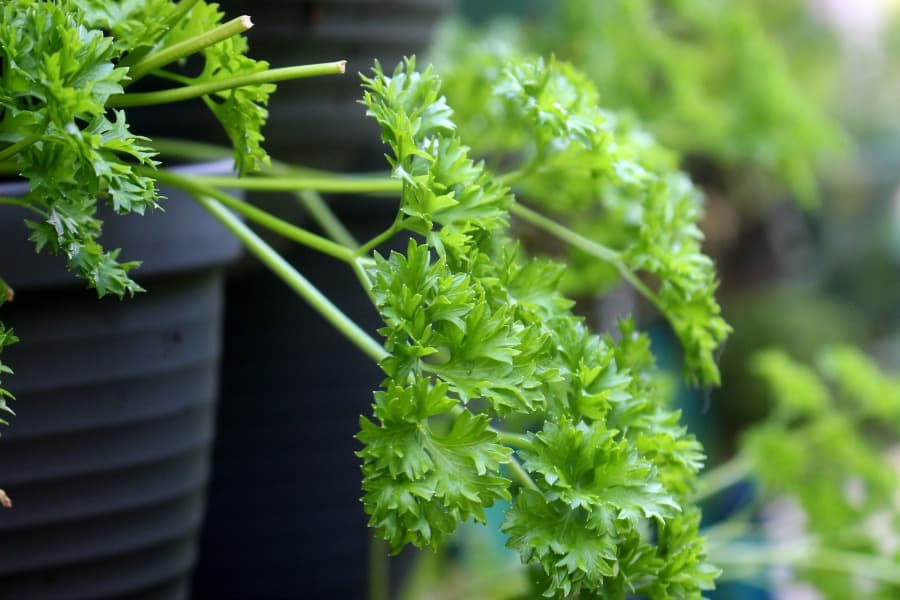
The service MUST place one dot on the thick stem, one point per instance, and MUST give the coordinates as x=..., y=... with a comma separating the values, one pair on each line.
x=14, y=149
x=293, y=279
x=330, y=184
x=723, y=476
x=189, y=47
x=521, y=475
x=200, y=151
x=183, y=8
x=190, y=150
x=271, y=222
x=211, y=87
x=15, y=202
x=515, y=440
x=384, y=236
x=600, y=251
x=379, y=574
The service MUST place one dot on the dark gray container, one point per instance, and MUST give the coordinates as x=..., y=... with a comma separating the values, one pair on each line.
x=108, y=457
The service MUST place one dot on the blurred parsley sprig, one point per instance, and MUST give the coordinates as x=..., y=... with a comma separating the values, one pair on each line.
x=827, y=464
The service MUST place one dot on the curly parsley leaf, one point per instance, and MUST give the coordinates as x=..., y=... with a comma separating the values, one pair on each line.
x=420, y=476
x=604, y=178
x=485, y=328
x=134, y=25
x=241, y=111
x=57, y=76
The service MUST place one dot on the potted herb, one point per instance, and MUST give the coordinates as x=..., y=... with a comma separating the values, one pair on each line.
x=110, y=456
x=494, y=391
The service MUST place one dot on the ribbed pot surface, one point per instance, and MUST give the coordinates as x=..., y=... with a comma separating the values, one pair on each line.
x=107, y=459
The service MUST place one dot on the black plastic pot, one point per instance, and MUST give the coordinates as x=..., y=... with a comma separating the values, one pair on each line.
x=108, y=457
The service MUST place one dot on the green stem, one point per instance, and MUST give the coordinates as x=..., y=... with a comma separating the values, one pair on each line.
x=379, y=575
x=271, y=222
x=334, y=183
x=211, y=87
x=726, y=531
x=723, y=476
x=22, y=203
x=600, y=251
x=14, y=149
x=189, y=47
x=515, y=440
x=190, y=150
x=364, y=280
x=384, y=236
x=138, y=54
x=15, y=202
x=521, y=474
x=807, y=556
x=325, y=218
x=201, y=151
x=294, y=279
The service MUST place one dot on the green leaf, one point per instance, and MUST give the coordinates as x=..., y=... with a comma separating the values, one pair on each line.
x=7, y=338
x=421, y=478
x=605, y=178
x=58, y=74
x=467, y=313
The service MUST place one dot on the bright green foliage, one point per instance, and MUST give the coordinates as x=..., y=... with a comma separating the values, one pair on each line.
x=476, y=330
x=442, y=184
x=421, y=481
x=871, y=392
x=60, y=64
x=828, y=446
x=241, y=111
x=799, y=390
x=59, y=70
x=605, y=178
x=56, y=78
x=134, y=25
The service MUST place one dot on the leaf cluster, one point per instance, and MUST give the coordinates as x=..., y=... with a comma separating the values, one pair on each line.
x=604, y=178
x=486, y=357
x=61, y=64
x=57, y=76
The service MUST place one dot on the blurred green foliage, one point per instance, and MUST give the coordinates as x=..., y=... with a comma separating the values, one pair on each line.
x=831, y=447
x=707, y=78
